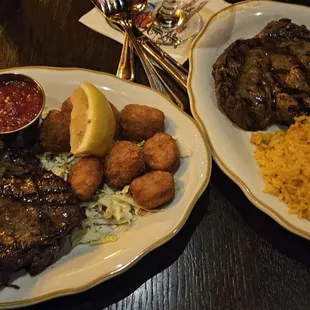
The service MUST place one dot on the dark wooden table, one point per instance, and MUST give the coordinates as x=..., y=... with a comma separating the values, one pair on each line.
x=229, y=255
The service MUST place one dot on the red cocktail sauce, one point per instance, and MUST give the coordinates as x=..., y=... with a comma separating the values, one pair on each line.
x=20, y=103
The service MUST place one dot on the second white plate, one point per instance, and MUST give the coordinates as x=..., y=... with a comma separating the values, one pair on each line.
x=231, y=145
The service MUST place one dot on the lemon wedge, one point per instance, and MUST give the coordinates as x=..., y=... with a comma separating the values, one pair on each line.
x=92, y=123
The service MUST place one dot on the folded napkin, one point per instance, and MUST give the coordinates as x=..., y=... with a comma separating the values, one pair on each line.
x=96, y=21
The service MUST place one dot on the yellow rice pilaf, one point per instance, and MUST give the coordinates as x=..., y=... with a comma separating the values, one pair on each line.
x=284, y=160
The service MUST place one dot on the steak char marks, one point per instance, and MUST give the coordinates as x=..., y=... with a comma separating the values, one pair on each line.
x=266, y=79
x=37, y=209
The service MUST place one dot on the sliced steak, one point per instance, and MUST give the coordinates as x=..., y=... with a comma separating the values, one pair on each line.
x=296, y=79
x=282, y=62
x=37, y=209
x=258, y=81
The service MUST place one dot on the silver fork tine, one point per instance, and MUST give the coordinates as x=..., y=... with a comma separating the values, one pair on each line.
x=101, y=5
x=122, y=5
x=114, y=7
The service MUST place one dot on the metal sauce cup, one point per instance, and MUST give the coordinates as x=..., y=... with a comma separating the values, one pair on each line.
x=22, y=136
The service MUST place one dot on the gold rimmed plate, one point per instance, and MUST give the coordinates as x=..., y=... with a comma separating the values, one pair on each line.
x=231, y=145
x=85, y=266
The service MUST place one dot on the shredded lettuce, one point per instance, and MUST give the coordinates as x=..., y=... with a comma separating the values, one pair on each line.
x=59, y=164
x=111, y=207
x=93, y=235
x=107, y=213
x=141, y=143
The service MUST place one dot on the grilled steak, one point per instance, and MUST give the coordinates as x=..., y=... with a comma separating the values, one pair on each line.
x=37, y=209
x=265, y=79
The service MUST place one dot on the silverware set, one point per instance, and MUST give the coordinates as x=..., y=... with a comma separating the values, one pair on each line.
x=164, y=60
x=120, y=15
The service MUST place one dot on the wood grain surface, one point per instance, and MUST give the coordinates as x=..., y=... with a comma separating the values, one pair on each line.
x=229, y=255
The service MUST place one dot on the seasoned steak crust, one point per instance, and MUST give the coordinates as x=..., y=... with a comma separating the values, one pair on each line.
x=265, y=79
x=37, y=209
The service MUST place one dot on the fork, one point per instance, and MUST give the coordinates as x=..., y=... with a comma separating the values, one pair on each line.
x=121, y=12
x=126, y=63
x=164, y=60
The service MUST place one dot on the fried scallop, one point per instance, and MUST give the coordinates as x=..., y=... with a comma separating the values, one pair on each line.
x=85, y=177
x=54, y=135
x=116, y=116
x=67, y=107
x=160, y=152
x=153, y=189
x=123, y=163
x=140, y=122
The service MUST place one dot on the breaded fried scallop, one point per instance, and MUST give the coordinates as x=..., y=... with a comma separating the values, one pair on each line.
x=116, y=116
x=67, y=107
x=85, y=177
x=54, y=133
x=153, y=189
x=161, y=152
x=140, y=122
x=123, y=163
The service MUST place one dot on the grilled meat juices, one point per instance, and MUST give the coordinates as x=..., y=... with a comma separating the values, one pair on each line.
x=266, y=79
x=37, y=209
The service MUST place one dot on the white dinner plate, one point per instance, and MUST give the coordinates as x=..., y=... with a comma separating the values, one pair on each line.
x=85, y=266
x=231, y=145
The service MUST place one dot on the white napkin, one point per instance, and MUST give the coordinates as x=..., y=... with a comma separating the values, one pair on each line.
x=95, y=20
